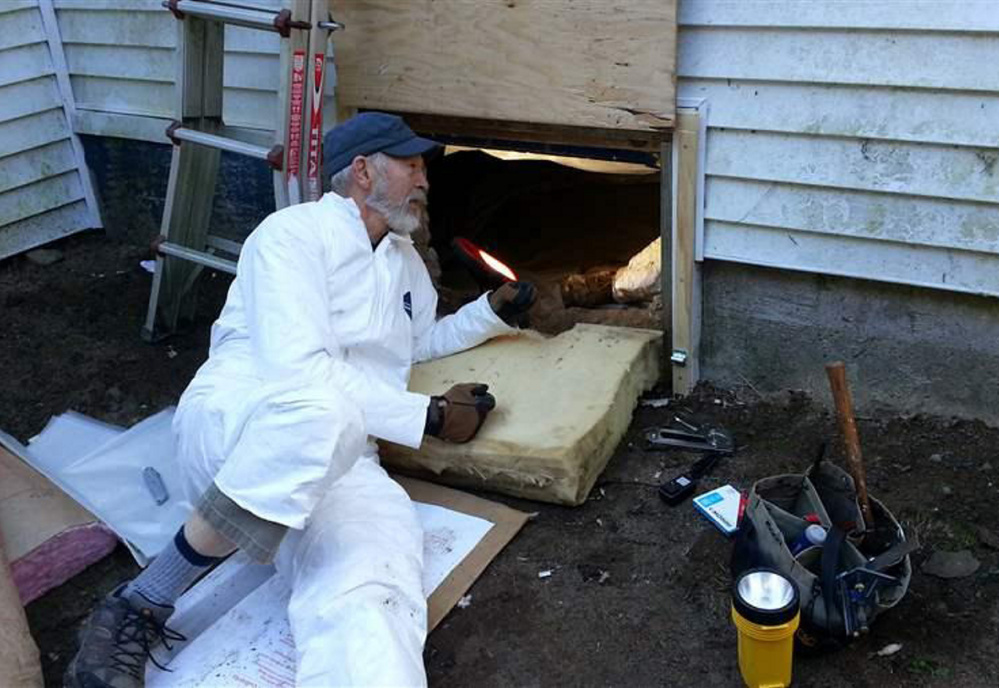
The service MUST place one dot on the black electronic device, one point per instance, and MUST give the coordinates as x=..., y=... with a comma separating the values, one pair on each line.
x=682, y=486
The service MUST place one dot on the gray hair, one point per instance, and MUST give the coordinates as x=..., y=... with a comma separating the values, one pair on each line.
x=341, y=181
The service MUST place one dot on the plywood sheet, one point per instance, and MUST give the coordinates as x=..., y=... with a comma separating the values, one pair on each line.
x=587, y=63
x=563, y=404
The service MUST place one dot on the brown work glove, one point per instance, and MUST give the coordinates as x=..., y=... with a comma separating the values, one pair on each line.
x=459, y=414
x=512, y=300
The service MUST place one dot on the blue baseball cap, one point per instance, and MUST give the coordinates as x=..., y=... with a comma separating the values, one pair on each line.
x=368, y=133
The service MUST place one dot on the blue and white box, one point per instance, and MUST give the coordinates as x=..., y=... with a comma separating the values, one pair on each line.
x=721, y=507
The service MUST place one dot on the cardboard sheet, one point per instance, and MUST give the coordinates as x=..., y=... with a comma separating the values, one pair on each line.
x=563, y=405
x=236, y=617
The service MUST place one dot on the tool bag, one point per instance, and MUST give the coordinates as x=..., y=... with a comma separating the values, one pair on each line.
x=843, y=585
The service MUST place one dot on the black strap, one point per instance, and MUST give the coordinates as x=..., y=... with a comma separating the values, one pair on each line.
x=831, y=549
x=703, y=465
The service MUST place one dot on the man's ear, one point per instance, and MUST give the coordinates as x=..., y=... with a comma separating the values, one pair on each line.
x=362, y=172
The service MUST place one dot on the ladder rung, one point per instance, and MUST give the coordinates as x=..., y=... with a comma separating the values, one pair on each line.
x=199, y=257
x=243, y=16
x=274, y=156
x=223, y=244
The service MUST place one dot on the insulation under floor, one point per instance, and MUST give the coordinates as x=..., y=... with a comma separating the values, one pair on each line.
x=563, y=405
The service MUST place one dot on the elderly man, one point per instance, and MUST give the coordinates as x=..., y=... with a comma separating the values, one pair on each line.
x=308, y=366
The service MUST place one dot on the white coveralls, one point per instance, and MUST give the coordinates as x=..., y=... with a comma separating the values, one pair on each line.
x=309, y=363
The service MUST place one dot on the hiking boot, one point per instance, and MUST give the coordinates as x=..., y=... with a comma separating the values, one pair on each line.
x=117, y=640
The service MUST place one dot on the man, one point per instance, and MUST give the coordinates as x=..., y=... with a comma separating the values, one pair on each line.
x=308, y=365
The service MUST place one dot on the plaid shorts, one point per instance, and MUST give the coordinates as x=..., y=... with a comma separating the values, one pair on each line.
x=260, y=539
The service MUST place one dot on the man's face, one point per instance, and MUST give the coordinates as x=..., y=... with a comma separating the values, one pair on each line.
x=400, y=192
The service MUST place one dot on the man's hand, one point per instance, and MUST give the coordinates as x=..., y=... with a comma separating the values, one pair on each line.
x=459, y=414
x=512, y=299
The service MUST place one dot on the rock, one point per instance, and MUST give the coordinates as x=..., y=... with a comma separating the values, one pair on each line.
x=987, y=537
x=951, y=564
x=44, y=256
x=947, y=490
x=987, y=466
x=936, y=458
x=889, y=649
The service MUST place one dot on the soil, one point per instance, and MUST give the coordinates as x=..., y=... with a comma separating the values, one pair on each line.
x=639, y=591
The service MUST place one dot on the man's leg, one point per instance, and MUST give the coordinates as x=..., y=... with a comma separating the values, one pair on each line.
x=291, y=444
x=357, y=610
x=120, y=634
x=195, y=548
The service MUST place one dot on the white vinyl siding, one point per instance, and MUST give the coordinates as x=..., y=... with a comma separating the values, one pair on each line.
x=850, y=138
x=44, y=188
x=123, y=64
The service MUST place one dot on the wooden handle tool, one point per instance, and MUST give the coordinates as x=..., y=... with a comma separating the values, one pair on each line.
x=848, y=427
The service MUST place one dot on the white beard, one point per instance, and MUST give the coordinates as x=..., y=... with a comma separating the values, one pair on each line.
x=401, y=218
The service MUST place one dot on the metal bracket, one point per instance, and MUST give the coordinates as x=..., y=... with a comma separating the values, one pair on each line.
x=172, y=6
x=331, y=25
x=283, y=23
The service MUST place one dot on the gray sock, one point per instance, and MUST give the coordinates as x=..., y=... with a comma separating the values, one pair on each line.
x=171, y=572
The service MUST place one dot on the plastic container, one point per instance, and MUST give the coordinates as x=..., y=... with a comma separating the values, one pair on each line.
x=766, y=612
x=813, y=535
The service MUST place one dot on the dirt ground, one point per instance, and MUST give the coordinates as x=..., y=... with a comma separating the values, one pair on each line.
x=639, y=590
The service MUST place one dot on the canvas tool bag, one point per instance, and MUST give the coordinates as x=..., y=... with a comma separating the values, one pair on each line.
x=843, y=587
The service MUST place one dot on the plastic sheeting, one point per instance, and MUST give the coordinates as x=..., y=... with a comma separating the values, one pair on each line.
x=100, y=466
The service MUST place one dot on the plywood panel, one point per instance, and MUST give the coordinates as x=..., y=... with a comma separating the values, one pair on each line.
x=588, y=63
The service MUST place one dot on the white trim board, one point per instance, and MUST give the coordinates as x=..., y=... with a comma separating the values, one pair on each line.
x=69, y=106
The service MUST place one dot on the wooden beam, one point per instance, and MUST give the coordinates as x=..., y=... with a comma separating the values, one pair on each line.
x=686, y=273
x=529, y=132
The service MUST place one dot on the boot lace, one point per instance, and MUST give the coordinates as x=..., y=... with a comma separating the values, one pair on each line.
x=140, y=631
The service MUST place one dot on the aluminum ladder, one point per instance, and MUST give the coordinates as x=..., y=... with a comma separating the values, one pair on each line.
x=184, y=246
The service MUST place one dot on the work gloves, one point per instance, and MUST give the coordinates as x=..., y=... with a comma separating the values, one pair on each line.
x=512, y=300
x=459, y=414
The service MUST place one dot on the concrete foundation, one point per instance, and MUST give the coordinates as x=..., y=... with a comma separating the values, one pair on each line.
x=131, y=179
x=907, y=349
